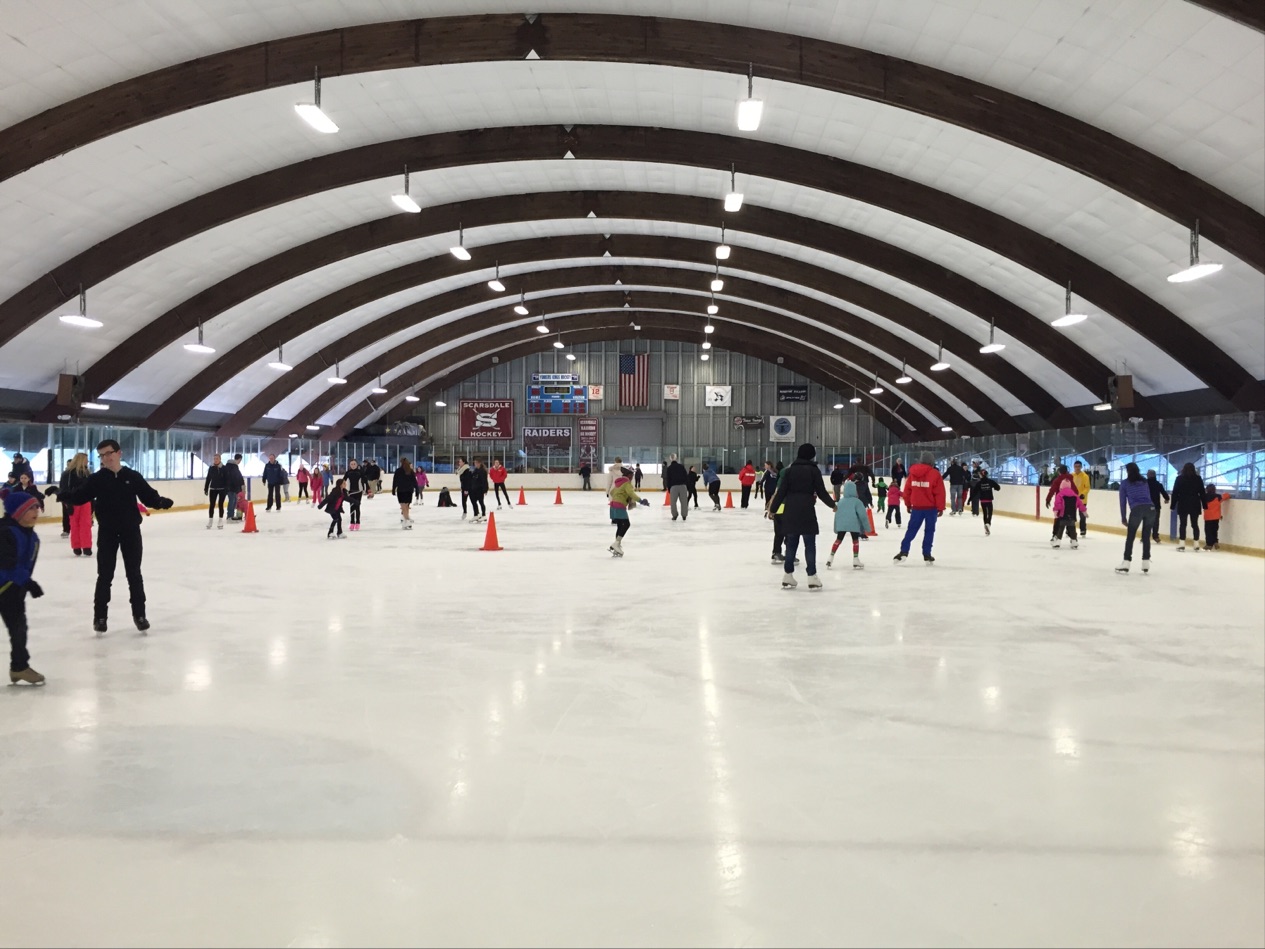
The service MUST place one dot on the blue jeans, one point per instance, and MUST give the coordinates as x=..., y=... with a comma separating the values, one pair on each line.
x=917, y=518
x=810, y=552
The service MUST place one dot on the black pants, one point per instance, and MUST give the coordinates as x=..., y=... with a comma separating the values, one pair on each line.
x=476, y=503
x=584, y=485
x=988, y=512
x=217, y=496
x=1182, y=518
x=692, y=493
x=1065, y=523
x=499, y=490
x=1084, y=516
x=779, y=535
x=1142, y=517
x=893, y=510
x=274, y=493
x=336, y=521
x=746, y=494
x=302, y=490
x=759, y=489
x=110, y=542
x=353, y=501
x=975, y=504
x=1211, y=529
x=465, y=498
x=13, y=612
x=713, y=492
x=65, y=525
x=621, y=526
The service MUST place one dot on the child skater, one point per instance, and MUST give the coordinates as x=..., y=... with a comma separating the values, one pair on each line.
x=622, y=495
x=422, y=483
x=333, y=506
x=893, y=504
x=19, y=549
x=850, y=517
x=317, y=484
x=1066, y=504
x=1212, y=517
x=982, y=488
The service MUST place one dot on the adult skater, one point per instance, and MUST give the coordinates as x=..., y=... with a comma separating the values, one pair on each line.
x=19, y=549
x=982, y=489
x=302, y=477
x=956, y=476
x=622, y=495
x=759, y=481
x=465, y=474
x=838, y=475
x=779, y=533
x=73, y=478
x=403, y=484
x=677, y=482
x=478, y=492
x=1080, y=478
x=850, y=518
x=114, y=492
x=923, y=495
x=586, y=477
x=746, y=478
x=1136, y=497
x=1156, y=488
x=22, y=466
x=373, y=477
x=617, y=467
x=795, y=494
x=234, y=484
x=637, y=476
x=1188, y=502
x=274, y=478
x=354, y=492
x=497, y=475
x=899, y=474
x=215, y=488
x=712, y=481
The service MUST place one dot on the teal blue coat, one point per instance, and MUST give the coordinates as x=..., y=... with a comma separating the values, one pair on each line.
x=850, y=512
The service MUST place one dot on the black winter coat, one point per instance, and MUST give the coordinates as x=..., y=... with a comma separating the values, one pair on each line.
x=114, y=497
x=1188, y=494
x=355, y=481
x=1157, y=492
x=675, y=474
x=233, y=480
x=404, y=485
x=216, y=479
x=801, y=483
x=478, y=481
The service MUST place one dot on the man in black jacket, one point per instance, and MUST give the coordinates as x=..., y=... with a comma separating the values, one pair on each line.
x=234, y=484
x=677, y=482
x=215, y=487
x=114, y=492
x=956, y=477
x=1157, y=491
x=274, y=477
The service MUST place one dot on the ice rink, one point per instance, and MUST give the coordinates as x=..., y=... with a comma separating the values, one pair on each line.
x=399, y=739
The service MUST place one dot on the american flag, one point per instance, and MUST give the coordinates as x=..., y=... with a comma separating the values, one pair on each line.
x=634, y=380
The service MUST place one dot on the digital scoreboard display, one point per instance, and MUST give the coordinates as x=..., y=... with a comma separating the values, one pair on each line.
x=556, y=393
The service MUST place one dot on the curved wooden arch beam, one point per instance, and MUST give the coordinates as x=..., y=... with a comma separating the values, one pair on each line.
x=663, y=41
x=474, y=356
x=1031, y=250
x=778, y=225
x=1248, y=12
x=811, y=344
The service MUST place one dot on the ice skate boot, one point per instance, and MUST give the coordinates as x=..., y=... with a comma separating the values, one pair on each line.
x=928, y=559
x=617, y=548
x=857, y=565
x=900, y=557
x=814, y=582
x=1146, y=566
x=789, y=582
x=1181, y=546
x=987, y=532
x=220, y=525
x=209, y=522
x=778, y=559
x=26, y=675
x=1054, y=543
x=1075, y=543
x=141, y=623
x=1124, y=567
x=99, y=625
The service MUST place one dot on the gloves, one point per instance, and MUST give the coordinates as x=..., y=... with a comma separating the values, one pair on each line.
x=34, y=589
x=644, y=503
x=164, y=503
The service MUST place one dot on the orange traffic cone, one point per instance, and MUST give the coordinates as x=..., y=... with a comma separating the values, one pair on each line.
x=729, y=499
x=490, y=541
x=666, y=496
x=870, y=515
x=522, y=498
x=249, y=526
x=557, y=498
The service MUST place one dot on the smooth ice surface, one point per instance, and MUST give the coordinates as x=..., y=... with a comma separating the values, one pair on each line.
x=398, y=739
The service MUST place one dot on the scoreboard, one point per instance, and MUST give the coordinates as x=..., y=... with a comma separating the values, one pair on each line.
x=556, y=393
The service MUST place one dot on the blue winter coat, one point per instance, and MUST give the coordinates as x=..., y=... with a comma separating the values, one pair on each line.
x=19, y=549
x=850, y=512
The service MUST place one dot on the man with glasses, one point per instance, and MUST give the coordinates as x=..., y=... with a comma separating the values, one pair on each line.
x=115, y=492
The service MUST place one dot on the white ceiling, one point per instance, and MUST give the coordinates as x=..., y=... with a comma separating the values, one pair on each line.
x=55, y=50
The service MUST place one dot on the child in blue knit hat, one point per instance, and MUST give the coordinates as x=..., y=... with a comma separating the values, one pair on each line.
x=19, y=549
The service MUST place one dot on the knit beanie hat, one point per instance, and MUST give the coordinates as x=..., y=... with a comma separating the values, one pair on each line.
x=806, y=452
x=17, y=503
x=926, y=458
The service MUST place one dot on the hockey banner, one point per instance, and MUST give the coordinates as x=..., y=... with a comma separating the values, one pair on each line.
x=672, y=393
x=589, y=440
x=546, y=439
x=792, y=393
x=485, y=418
x=596, y=393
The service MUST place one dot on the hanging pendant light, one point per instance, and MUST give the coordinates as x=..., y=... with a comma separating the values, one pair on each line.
x=992, y=346
x=904, y=378
x=750, y=109
x=313, y=428
x=81, y=319
x=733, y=200
x=458, y=250
x=279, y=363
x=704, y=357
x=838, y=405
x=946, y=428
x=878, y=389
x=495, y=283
x=940, y=365
x=1069, y=318
x=337, y=378
x=311, y=112
x=404, y=201
x=412, y=398
x=856, y=397
x=712, y=308
x=521, y=306
x=570, y=357
x=199, y=347
x=717, y=283
x=379, y=389
x=1196, y=269
x=722, y=249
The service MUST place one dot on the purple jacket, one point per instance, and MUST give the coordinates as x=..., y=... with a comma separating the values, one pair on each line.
x=1133, y=494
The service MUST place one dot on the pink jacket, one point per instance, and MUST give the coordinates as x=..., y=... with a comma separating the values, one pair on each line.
x=1067, y=492
x=422, y=480
x=893, y=495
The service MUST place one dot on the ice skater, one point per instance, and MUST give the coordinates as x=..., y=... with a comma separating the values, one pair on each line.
x=1212, y=517
x=1188, y=502
x=215, y=489
x=275, y=478
x=923, y=495
x=478, y=492
x=465, y=475
x=497, y=475
x=19, y=549
x=73, y=478
x=422, y=483
x=1135, y=495
x=1157, y=492
x=354, y=483
x=982, y=488
x=403, y=484
x=893, y=504
x=302, y=477
x=333, y=506
x=795, y=496
x=712, y=481
x=677, y=482
x=622, y=495
x=317, y=483
x=1066, y=503
x=850, y=518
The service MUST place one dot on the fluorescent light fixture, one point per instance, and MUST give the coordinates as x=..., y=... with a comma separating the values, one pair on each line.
x=992, y=346
x=709, y=328
x=279, y=363
x=495, y=283
x=412, y=398
x=404, y=201
x=750, y=109
x=521, y=306
x=310, y=112
x=717, y=283
x=946, y=428
x=704, y=357
x=940, y=365
x=337, y=378
x=441, y=404
x=96, y=406
x=1196, y=269
x=712, y=309
x=707, y=344
x=379, y=389
x=733, y=200
x=1102, y=407
x=458, y=250
x=313, y=428
x=81, y=319
x=199, y=347
x=294, y=435
x=571, y=357
x=723, y=250
x=1069, y=318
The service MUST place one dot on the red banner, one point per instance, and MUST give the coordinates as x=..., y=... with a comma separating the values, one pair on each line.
x=486, y=418
x=588, y=440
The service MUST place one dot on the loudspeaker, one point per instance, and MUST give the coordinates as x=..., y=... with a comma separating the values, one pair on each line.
x=69, y=389
x=1120, y=391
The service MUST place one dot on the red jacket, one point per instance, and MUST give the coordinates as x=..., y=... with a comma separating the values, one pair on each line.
x=923, y=488
x=747, y=476
x=498, y=473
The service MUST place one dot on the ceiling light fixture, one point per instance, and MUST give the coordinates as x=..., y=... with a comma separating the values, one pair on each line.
x=279, y=363
x=838, y=405
x=412, y=398
x=946, y=428
x=878, y=389
x=707, y=344
x=199, y=347
x=458, y=250
x=313, y=428
x=558, y=344
x=704, y=357
x=722, y=249
x=495, y=282
x=856, y=397
x=712, y=308
x=404, y=201
x=717, y=283
x=337, y=378
x=904, y=378
x=570, y=357
x=1196, y=269
x=992, y=346
x=379, y=389
x=1069, y=318
x=709, y=329
x=311, y=112
x=1102, y=407
x=733, y=200
x=521, y=307
x=294, y=435
x=940, y=365
x=81, y=318
x=441, y=404
x=96, y=406
x=750, y=109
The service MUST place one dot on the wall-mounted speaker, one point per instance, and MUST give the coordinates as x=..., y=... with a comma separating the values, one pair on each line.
x=1120, y=391
x=69, y=389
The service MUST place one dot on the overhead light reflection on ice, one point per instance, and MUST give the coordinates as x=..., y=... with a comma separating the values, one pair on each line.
x=1190, y=843
x=991, y=696
x=1065, y=743
x=277, y=652
x=519, y=693
x=198, y=678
